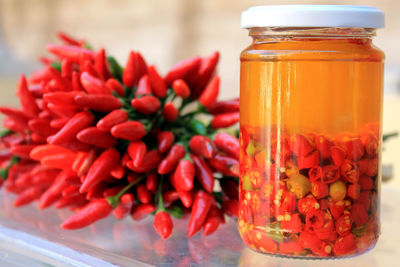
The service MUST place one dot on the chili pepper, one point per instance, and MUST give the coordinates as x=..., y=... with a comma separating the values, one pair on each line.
x=144, y=86
x=309, y=240
x=226, y=106
x=314, y=220
x=210, y=93
x=68, y=39
x=170, y=196
x=163, y=224
x=202, y=146
x=22, y=151
x=150, y=162
x=228, y=144
x=152, y=182
x=337, y=190
x=306, y=204
x=113, y=118
x=300, y=145
x=139, y=211
x=113, y=191
x=330, y=173
x=71, y=191
x=181, y=69
x=157, y=83
x=200, y=209
x=68, y=132
x=204, y=74
x=338, y=155
x=186, y=197
x=66, y=68
x=184, y=175
x=165, y=139
x=308, y=161
x=82, y=167
x=230, y=188
x=231, y=207
x=319, y=189
x=359, y=214
x=225, y=165
x=137, y=151
x=143, y=194
x=87, y=66
x=130, y=130
x=27, y=100
x=118, y=172
x=366, y=183
x=212, y=221
x=345, y=245
x=59, y=161
x=28, y=195
x=16, y=115
x=62, y=98
x=96, y=137
x=94, y=211
x=115, y=86
x=372, y=167
x=102, y=103
x=130, y=75
x=73, y=53
x=354, y=148
x=100, y=64
x=343, y=224
x=170, y=112
x=124, y=206
x=169, y=163
x=146, y=104
x=336, y=208
x=43, y=178
x=61, y=111
x=224, y=120
x=100, y=169
x=323, y=145
x=203, y=173
x=93, y=85
x=96, y=191
x=353, y=191
x=13, y=125
x=315, y=173
x=141, y=65
x=370, y=143
x=290, y=247
x=76, y=81
x=181, y=88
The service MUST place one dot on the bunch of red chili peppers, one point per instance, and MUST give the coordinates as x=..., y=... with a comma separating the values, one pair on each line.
x=98, y=139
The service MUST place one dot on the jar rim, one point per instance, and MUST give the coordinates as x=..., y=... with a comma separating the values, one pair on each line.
x=310, y=32
x=312, y=16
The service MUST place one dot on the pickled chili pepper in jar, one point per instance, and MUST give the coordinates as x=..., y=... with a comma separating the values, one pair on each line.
x=310, y=130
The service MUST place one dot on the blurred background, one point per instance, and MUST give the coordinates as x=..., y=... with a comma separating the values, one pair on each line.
x=166, y=32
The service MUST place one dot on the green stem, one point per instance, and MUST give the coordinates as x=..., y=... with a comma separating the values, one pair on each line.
x=114, y=200
x=4, y=172
x=159, y=199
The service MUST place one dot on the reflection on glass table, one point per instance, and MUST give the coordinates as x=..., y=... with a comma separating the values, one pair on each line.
x=30, y=235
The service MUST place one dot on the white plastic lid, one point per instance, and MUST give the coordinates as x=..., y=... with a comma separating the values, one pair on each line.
x=313, y=16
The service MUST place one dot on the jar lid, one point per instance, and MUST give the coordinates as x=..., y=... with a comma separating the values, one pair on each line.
x=343, y=16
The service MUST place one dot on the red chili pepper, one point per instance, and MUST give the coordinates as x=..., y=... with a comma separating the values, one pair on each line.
x=170, y=112
x=28, y=195
x=336, y=208
x=224, y=120
x=345, y=245
x=113, y=118
x=124, y=206
x=62, y=98
x=228, y=144
x=371, y=144
x=359, y=214
x=230, y=188
x=72, y=53
x=163, y=224
x=112, y=191
x=150, y=162
x=353, y=191
x=315, y=219
x=210, y=93
x=169, y=163
x=181, y=69
x=309, y=241
x=130, y=74
x=67, y=68
x=350, y=171
x=354, y=148
x=319, y=189
x=372, y=167
x=143, y=194
x=330, y=173
x=141, y=65
x=140, y=211
x=81, y=166
x=93, y=85
x=224, y=106
x=115, y=86
x=102, y=103
x=152, y=182
x=323, y=145
x=343, y=224
x=70, y=201
x=315, y=173
x=118, y=172
x=181, y=88
x=144, y=86
x=212, y=221
x=186, y=197
x=16, y=115
x=59, y=161
x=203, y=173
x=291, y=223
x=338, y=155
x=225, y=165
x=157, y=83
x=94, y=211
x=69, y=40
x=22, y=151
x=61, y=111
x=68, y=132
x=170, y=196
x=306, y=204
x=202, y=146
x=309, y=161
x=165, y=139
x=26, y=98
x=231, y=207
x=95, y=136
x=130, y=130
x=100, y=169
x=137, y=151
x=146, y=104
x=300, y=145
x=71, y=191
x=184, y=175
x=200, y=208
x=366, y=183
x=100, y=64
x=204, y=74
x=76, y=81
x=41, y=127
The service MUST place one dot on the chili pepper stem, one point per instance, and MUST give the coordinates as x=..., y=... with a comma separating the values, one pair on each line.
x=114, y=200
x=159, y=199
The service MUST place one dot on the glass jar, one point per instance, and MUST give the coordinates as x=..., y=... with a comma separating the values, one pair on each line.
x=310, y=130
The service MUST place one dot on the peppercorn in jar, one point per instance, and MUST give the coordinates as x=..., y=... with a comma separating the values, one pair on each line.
x=310, y=130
